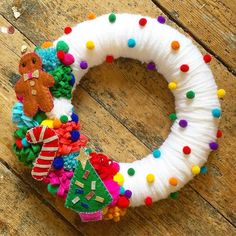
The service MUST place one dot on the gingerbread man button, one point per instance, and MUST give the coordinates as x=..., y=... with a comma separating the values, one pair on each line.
x=34, y=85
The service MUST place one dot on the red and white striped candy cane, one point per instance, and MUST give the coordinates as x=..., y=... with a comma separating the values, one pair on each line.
x=47, y=136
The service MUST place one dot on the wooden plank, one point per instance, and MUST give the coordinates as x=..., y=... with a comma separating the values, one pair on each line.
x=116, y=113
x=22, y=213
x=212, y=22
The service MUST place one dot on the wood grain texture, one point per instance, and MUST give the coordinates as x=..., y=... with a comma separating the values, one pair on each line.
x=212, y=22
x=22, y=213
x=110, y=116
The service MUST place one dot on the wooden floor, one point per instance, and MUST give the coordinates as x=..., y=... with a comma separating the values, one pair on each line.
x=123, y=109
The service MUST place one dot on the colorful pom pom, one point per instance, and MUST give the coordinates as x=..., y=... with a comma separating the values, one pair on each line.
x=221, y=93
x=148, y=201
x=123, y=202
x=156, y=153
x=142, y=21
x=91, y=16
x=219, y=134
x=63, y=118
x=207, y=58
x=112, y=18
x=131, y=43
x=203, y=170
x=83, y=65
x=67, y=30
x=131, y=171
x=151, y=66
x=196, y=169
x=62, y=46
x=172, y=85
x=186, y=150
x=183, y=123
x=161, y=19
x=58, y=163
x=172, y=116
x=184, y=68
x=173, y=181
x=213, y=146
x=128, y=193
x=90, y=45
x=150, y=178
x=75, y=135
x=216, y=112
x=190, y=94
x=175, y=45
x=75, y=117
x=109, y=58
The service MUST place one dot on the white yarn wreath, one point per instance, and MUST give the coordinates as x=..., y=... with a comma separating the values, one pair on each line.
x=152, y=44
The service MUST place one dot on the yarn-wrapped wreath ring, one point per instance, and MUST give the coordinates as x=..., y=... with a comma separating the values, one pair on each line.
x=169, y=167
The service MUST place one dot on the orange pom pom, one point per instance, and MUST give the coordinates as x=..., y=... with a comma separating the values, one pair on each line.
x=91, y=16
x=57, y=123
x=173, y=181
x=175, y=45
x=47, y=44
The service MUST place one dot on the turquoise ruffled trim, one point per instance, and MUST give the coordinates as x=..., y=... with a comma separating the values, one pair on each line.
x=19, y=118
x=70, y=162
x=49, y=58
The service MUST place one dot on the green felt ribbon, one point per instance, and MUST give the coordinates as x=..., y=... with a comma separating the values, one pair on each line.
x=62, y=76
x=26, y=155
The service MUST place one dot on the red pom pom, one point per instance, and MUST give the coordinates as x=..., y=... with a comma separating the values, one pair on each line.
x=207, y=58
x=148, y=201
x=19, y=143
x=123, y=202
x=60, y=55
x=184, y=68
x=143, y=21
x=67, y=30
x=186, y=150
x=109, y=59
x=219, y=134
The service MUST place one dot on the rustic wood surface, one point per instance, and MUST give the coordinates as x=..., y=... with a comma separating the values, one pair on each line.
x=123, y=109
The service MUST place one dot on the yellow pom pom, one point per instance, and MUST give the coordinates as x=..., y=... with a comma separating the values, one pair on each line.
x=172, y=85
x=47, y=44
x=196, y=170
x=90, y=45
x=48, y=123
x=221, y=93
x=150, y=178
x=119, y=178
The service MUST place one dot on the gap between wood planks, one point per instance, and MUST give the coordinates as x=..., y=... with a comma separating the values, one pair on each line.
x=181, y=25
x=93, y=97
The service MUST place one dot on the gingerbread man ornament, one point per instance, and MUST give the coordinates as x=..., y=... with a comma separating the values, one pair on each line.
x=34, y=85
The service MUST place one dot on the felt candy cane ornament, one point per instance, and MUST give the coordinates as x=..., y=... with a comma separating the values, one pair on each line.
x=47, y=136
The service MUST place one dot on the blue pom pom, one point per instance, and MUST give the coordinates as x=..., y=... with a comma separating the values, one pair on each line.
x=216, y=112
x=203, y=170
x=122, y=190
x=131, y=43
x=24, y=142
x=75, y=117
x=58, y=163
x=75, y=135
x=72, y=81
x=156, y=153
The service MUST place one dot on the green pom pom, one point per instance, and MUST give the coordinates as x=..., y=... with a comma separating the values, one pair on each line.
x=190, y=94
x=112, y=17
x=52, y=189
x=172, y=116
x=62, y=46
x=174, y=195
x=131, y=171
x=64, y=119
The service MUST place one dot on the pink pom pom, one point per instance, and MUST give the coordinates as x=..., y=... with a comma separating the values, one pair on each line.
x=68, y=59
x=115, y=167
x=114, y=190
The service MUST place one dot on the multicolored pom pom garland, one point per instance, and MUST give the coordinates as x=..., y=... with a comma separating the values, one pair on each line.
x=51, y=142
